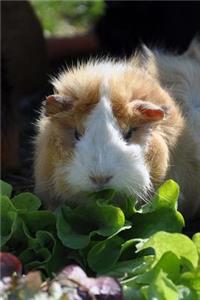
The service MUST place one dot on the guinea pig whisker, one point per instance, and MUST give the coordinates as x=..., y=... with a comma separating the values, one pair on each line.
x=133, y=191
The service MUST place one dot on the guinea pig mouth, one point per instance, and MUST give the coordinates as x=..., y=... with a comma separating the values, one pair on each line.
x=117, y=196
x=102, y=188
x=107, y=191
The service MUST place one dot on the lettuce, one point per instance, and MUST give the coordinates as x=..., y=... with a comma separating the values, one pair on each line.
x=144, y=248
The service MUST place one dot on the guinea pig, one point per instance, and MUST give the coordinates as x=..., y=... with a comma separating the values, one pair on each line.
x=117, y=124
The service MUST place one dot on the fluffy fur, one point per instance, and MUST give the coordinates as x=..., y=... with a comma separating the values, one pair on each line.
x=101, y=101
x=180, y=76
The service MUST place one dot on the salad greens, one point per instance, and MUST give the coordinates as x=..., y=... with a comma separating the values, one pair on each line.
x=144, y=248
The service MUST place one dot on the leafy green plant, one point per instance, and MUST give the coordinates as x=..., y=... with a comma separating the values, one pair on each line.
x=144, y=248
x=66, y=17
x=28, y=232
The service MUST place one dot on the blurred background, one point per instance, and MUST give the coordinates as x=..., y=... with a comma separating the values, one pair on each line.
x=39, y=38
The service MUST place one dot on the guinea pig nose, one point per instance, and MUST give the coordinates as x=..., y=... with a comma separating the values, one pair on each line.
x=100, y=180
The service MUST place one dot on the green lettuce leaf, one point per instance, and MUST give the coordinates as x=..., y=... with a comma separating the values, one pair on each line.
x=161, y=288
x=8, y=219
x=77, y=226
x=177, y=243
x=5, y=189
x=26, y=201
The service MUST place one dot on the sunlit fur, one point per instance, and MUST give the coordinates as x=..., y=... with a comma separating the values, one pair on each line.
x=103, y=95
x=180, y=75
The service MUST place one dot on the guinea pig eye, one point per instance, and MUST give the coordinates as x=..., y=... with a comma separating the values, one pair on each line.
x=77, y=135
x=129, y=133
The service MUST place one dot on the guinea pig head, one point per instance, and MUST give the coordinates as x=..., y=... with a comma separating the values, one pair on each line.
x=104, y=134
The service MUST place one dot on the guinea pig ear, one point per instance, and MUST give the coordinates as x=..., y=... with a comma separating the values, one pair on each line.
x=194, y=48
x=56, y=103
x=149, y=111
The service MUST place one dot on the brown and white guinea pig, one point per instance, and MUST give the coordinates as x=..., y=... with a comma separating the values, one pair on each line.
x=111, y=124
